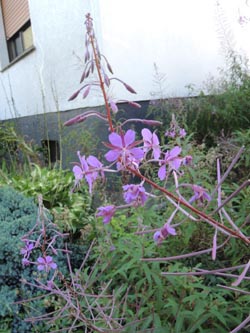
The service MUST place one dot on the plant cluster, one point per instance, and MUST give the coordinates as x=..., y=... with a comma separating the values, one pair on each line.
x=170, y=303
x=71, y=211
x=156, y=172
x=14, y=150
x=17, y=216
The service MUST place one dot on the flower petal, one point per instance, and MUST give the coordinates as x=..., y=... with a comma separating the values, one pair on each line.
x=112, y=155
x=155, y=139
x=156, y=153
x=53, y=265
x=115, y=139
x=129, y=137
x=77, y=172
x=176, y=163
x=137, y=152
x=170, y=230
x=146, y=134
x=162, y=172
x=94, y=162
x=175, y=152
x=40, y=267
x=41, y=260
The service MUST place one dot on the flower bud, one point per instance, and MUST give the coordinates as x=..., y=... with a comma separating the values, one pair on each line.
x=77, y=119
x=74, y=95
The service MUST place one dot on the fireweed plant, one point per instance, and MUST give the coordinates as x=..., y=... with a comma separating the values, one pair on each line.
x=132, y=153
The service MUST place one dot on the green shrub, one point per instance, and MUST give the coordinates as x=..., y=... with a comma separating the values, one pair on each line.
x=72, y=211
x=165, y=303
x=224, y=107
x=14, y=149
x=219, y=108
x=17, y=215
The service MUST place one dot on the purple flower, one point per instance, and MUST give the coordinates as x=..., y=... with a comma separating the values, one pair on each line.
x=134, y=194
x=200, y=194
x=25, y=262
x=88, y=168
x=123, y=150
x=50, y=284
x=25, y=251
x=162, y=234
x=172, y=159
x=113, y=106
x=106, y=212
x=182, y=133
x=187, y=160
x=46, y=263
x=170, y=134
x=112, y=248
x=151, y=141
x=158, y=237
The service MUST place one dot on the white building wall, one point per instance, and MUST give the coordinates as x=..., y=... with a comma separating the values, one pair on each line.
x=179, y=36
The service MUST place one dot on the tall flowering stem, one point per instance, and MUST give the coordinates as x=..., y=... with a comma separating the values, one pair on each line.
x=91, y=35
x=128, y=157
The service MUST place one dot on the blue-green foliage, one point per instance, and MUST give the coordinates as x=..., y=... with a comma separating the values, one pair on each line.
x=17, y=215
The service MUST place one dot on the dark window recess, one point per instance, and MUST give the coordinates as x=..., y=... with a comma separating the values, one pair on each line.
x=20, y=42
x=51, y=151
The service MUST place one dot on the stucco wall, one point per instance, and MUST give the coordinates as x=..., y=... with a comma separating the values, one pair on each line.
x=180, y=37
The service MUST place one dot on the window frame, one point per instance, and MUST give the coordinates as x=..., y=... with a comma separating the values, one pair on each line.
x=15, y=44
x=6, y=58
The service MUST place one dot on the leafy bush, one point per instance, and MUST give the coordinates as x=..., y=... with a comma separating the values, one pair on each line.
x=71, y=211
x=224, y=107
x=17, y=215
x=220, y=108
x=164, y=303
x=14, y=149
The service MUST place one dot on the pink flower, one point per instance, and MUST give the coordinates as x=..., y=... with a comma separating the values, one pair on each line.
x=46, y=263
x=182, y=133
x=170, y=134
x=123, y=150
x=106, y=212
x=134, y=194
x=88, y=168
x=25, y=262
x=113, y=106
x=162, y=234
x=25, y=251
x=50, y=284
x=200, y=194
x=187, y=160
x=151, y=141
x=172, y=159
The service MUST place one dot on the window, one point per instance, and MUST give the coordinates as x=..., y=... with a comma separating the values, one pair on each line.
x=17, y=26
x=20, y=42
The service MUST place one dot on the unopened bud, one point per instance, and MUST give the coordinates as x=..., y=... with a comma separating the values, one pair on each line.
x=152, y=122
x=78, y=119
x=86, y=92
x=74, y=95
x=129, y=88
x=134, y=104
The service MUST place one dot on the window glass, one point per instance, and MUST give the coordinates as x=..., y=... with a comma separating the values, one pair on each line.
x=27, y=38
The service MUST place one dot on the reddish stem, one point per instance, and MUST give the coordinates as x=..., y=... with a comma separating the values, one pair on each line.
x=97, y=62
x=187, y=205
